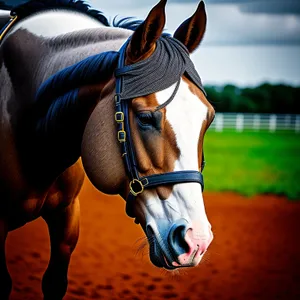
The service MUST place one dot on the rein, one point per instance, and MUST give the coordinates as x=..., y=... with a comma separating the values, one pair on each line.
x=137, y=183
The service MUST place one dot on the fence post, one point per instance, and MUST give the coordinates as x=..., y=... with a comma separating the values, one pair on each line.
x=219, y=122
x=297, y=124
x=287, y=122
x=256, y=122
x=239, y=123
x=273, y=123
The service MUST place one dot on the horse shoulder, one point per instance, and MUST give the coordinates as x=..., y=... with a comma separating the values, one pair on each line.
x=16, y=193
x=11, y=179
x=15, y=65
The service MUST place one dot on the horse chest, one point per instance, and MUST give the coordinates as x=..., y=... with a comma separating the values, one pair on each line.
x=21, y=211
x=62, y=192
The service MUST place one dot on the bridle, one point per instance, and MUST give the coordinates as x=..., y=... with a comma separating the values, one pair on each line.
x=137, y=183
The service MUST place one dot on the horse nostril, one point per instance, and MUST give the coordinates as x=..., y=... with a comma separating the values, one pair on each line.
x=177, y=240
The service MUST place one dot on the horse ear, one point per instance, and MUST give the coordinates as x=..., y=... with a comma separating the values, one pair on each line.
x=145, y=36
x=191, y=31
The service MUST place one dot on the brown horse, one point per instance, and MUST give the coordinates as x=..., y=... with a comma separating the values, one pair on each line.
x=41, y=142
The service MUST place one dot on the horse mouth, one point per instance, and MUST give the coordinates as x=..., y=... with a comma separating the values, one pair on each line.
x=158, y=258
x=164, y=259
x=161, y=261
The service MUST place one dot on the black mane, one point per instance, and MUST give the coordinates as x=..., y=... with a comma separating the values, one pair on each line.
x=129, y=23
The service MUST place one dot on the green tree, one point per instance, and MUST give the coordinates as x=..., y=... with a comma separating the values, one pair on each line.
x=265, y=98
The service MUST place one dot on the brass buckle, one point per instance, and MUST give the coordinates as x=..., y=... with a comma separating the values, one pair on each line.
x=119, y=117
x=122, y=139
x=132, y=191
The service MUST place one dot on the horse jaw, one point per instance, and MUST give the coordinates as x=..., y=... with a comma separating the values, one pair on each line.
x=100, y=150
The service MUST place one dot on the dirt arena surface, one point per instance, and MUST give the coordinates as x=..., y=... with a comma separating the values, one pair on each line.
x=255, y=254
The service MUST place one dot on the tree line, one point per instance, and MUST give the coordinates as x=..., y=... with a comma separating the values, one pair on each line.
x=265, y=98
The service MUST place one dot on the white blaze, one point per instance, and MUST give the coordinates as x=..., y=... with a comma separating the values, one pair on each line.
x=186, y=114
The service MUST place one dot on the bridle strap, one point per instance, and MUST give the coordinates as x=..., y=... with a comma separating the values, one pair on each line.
x=137, y=183
x=173, y=178
x=122, y=118
x=159, y=107
x=155, y=180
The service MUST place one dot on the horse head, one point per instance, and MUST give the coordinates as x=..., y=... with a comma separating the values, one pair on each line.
x=167, y=129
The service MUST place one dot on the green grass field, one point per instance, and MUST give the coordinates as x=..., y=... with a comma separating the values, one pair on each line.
x=253, y=163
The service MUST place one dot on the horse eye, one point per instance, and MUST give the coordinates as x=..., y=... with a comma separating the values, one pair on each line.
x=145, y=119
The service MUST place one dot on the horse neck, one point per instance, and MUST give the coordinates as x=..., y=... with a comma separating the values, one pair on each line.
x=49, y=41
x=71, y=49
x=59, y=147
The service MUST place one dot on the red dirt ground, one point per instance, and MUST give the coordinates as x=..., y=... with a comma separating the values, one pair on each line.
x=255, y=254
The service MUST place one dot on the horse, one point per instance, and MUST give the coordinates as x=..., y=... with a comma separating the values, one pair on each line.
x=121, y=104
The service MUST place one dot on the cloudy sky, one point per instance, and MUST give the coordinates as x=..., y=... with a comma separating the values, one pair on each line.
x=247, y=41
x=229, y=21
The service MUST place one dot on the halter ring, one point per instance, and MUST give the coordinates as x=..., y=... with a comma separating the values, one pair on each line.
x=133, y=182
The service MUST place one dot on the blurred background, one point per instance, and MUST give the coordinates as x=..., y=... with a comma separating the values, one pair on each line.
x=249, y=63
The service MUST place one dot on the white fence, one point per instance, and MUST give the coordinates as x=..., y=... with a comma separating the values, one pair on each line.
x=256, y=122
